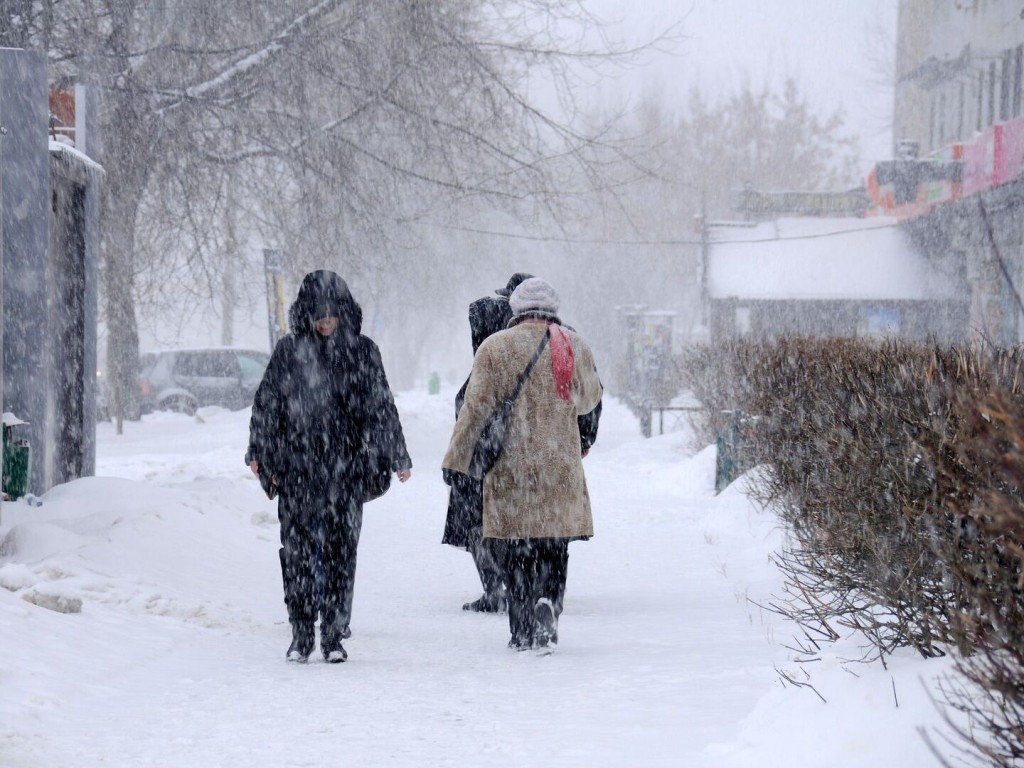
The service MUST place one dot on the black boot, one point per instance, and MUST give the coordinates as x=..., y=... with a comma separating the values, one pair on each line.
x=330, y=645
x=487, y=603
x=546, y=632
x=297, y=576
x=303, y=638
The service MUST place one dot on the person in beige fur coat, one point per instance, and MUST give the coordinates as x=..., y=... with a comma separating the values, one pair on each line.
x=535, y=496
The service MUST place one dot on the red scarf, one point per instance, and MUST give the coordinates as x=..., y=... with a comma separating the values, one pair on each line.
x=563, y=361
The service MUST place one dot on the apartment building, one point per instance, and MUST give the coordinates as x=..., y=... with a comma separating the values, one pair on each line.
x=959, y=70
x=956, y=182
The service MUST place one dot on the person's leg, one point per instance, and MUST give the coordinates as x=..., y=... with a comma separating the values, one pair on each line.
x=552, y=569
x=464, y=527
x=516, y=564
x=492, y=574
x=490, y=571
x=298, y=561
x=554, y=572
x=340, y=542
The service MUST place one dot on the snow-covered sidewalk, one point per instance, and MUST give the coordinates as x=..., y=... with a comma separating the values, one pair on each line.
x=176, y=657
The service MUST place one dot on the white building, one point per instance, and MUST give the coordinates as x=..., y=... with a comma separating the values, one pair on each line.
x=832, y=277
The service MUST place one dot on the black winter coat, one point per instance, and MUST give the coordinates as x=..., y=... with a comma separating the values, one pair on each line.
x=324, y=415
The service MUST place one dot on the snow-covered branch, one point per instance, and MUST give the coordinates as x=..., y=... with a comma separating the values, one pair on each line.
x=253, y=62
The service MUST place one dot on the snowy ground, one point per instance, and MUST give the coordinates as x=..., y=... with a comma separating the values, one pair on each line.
x=176, y=657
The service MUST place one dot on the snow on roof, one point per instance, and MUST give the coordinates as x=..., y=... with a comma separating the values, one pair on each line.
x=75, y=155
x=74, y=164
x=10, y=420
x=824, y=259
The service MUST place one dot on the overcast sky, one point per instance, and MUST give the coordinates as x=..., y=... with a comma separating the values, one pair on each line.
x=831, y=48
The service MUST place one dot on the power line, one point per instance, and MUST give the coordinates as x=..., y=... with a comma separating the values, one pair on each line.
x=671, y=241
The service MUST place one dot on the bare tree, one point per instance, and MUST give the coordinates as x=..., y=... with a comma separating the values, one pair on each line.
x=680, y=164
x=337, y=120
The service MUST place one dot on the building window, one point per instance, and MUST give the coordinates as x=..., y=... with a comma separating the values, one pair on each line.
x=878, y=322
x=931, y=123
x=1004, y=86
x=1018, y=73
x=981, y=101
x=742, y=321
x=941, y=120
x=960, y=111
x=991, y=117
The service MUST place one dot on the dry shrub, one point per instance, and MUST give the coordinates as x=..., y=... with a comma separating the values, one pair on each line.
x=710, y=374
x=861, y=441
x=985, y=556
x=899, y=471
x=839, y=424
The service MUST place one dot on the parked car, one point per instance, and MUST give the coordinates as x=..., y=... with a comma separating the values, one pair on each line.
x=183, y=380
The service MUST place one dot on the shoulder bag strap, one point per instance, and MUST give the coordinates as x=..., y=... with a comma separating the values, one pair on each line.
x=526, y=374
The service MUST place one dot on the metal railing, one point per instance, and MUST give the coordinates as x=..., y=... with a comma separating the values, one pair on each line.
x=676, y=415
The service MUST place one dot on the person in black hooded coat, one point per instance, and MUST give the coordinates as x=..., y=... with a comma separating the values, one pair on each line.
x=464, y=522
x=323, y=425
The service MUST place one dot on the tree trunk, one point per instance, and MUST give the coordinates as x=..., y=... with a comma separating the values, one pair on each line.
x=122, y=330
x=231, y=259
x=128, y=166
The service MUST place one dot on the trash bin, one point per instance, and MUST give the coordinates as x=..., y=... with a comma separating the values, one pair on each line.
x=17, y=459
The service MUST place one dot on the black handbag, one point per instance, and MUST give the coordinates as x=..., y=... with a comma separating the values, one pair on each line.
x=491, y=443
x=268, y=483
x=376, y=476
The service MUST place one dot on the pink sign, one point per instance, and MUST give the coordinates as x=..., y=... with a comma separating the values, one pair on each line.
x=1007, y=150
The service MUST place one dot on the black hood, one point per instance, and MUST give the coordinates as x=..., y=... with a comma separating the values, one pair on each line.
x=322, y=294
x=486, y=316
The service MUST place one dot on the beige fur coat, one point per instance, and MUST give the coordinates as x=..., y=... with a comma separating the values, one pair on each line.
x=537, y=488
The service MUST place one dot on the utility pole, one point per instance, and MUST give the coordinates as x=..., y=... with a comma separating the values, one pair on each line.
x=3, y=133
x=701, y=224
x=272, y=269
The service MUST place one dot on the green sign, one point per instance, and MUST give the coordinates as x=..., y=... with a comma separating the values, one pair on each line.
x=764, y=204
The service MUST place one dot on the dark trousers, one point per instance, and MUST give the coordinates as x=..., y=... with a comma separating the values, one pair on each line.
x=319, y=537
x=533, y=569
x=488, y=566
x=464, y=528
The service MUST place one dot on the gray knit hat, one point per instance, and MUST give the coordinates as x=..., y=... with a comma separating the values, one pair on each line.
x=534, y=296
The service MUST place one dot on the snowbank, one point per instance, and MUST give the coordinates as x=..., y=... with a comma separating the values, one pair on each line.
x=175, y=656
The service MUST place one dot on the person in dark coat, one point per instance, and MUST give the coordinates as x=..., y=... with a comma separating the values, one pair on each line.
x=323, y=424
x=464, y=522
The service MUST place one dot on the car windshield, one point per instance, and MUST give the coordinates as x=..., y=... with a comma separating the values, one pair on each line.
x=252, y=366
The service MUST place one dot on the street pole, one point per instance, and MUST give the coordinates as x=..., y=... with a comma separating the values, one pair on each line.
x=274, y=278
